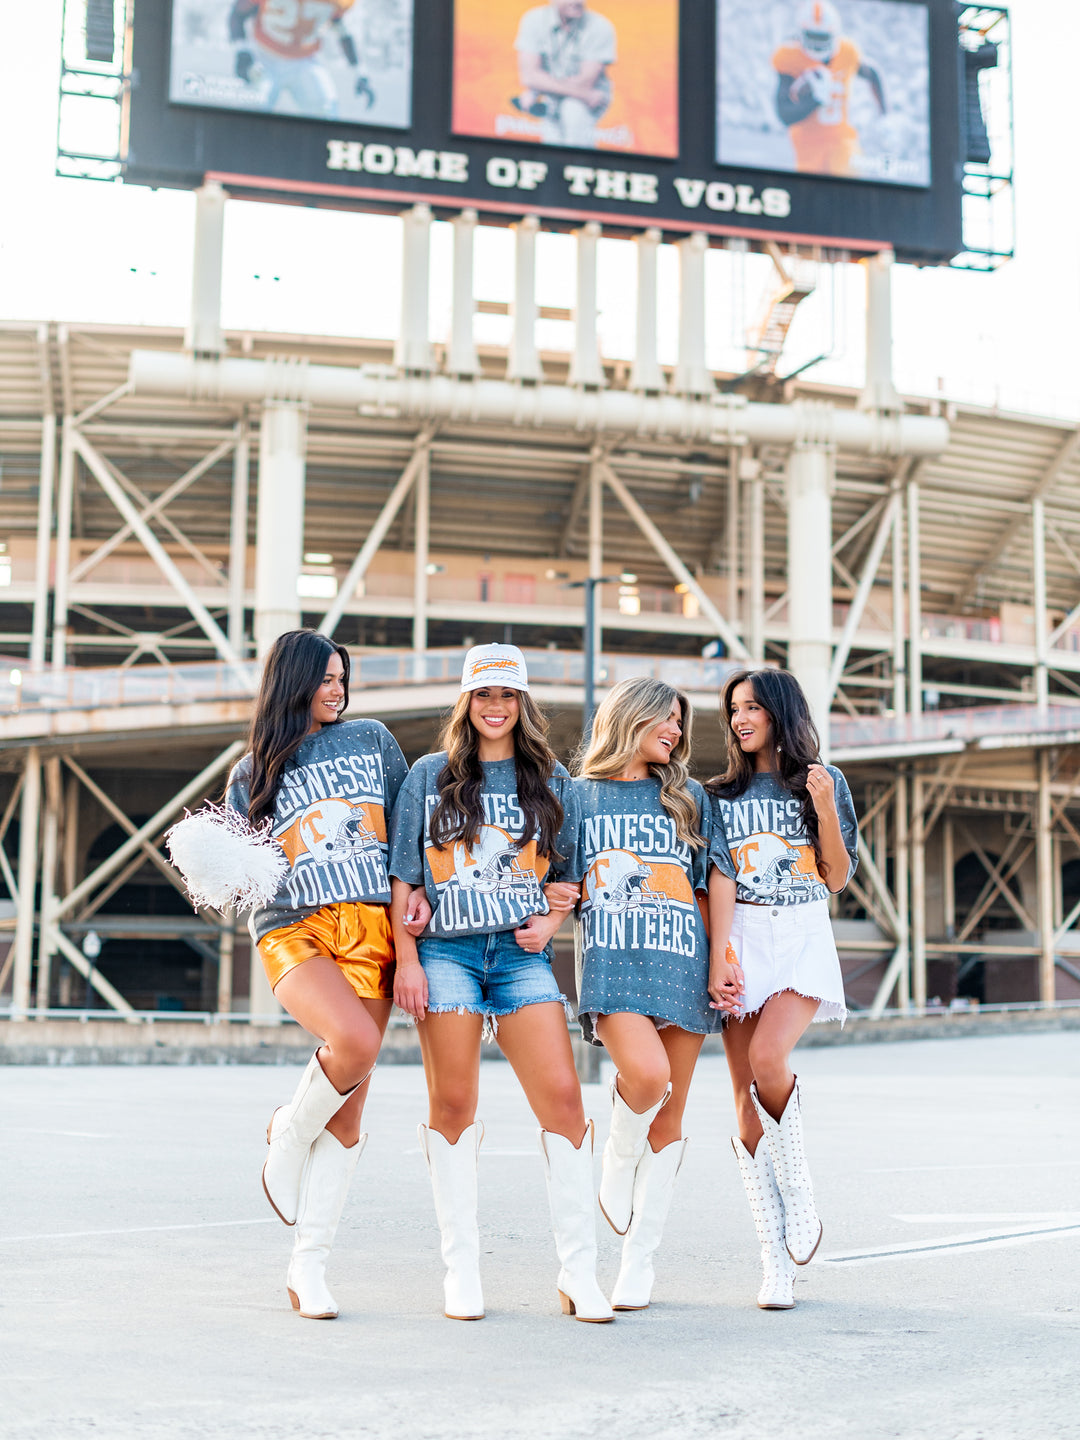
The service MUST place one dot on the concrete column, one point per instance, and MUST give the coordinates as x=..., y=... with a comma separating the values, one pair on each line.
x=46, y=481
x=1044, y=880
x=1038, y=577
x=585, y=367
x=226, y=945
x=413, y=349
x=918, y=892
x=948, y=875
x=462, y=359
x=524, y=361
x=262, y=1006
x=809, y=555
x=879, y=393
x=64, y=502
x=755, y=569
x=50, y=834
x=238, y=536
x=29, y=820
x=901, y=866
x=596, y=556
x=646, y=374
x=421, y=544
x=204, y=335
x=734, y=552
x=279, y=523
x=914, y=598
x=691, y=374
x=899, y=656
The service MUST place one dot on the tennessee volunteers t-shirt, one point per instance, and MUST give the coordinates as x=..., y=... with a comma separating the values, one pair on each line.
x=330, y=819
x=489, y=884
x=642, y=945
x=759, y=840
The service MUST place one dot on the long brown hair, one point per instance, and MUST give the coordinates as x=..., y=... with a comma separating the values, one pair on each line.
x=459, y=812
x=794, y=733
x=293, y=672
x=628, y=711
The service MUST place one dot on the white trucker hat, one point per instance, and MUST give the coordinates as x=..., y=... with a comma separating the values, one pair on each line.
x=494, y=665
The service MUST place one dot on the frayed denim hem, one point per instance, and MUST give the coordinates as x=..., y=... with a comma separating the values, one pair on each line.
x=490, y=1031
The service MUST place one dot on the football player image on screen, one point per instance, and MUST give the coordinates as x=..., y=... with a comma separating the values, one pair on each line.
x=564, y=50
x=281, y=48
x=816, y=69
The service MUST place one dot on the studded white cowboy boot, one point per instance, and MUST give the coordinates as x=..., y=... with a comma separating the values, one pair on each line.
x=453, y=1183
x=784, y=1137
x=626, y=1143
x=654, y=1185
x=569, y=1172
x=291, y=1133
x=778, y=1269
x=323, y=1188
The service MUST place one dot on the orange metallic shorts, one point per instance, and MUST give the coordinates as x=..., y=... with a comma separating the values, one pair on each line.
x=357, y=936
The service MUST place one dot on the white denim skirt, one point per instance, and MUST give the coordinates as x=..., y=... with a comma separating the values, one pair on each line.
x=789, y=947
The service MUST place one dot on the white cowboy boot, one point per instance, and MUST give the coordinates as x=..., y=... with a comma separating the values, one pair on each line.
x=291, y=1133
x=569, y=1172
x=784, y=1137
x=626, y=1143
x=654, y=1186
x=453, y=1183
x=323, y=1188
x=778, y=1269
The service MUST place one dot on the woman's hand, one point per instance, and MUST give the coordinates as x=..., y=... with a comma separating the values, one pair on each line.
x=822, y=790
x=726, y=983
x=410, y=988
x=417, y=915
x=534, y=935
x=562, y=896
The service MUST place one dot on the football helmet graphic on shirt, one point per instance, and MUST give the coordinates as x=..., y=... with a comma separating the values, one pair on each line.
x=769, y=867
x=489, y=863
x=334, y=830
x=618, y=881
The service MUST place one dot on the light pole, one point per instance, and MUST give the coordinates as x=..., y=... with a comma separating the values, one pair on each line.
x=589, y=586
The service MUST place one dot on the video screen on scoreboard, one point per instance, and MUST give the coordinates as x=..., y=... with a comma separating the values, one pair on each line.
x=587, y=74
x=825, y=87
x=321, y=59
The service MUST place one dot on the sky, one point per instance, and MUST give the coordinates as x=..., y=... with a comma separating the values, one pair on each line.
x=86, y=251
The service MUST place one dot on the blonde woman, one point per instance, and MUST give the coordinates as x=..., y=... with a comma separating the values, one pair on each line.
x=643, y=954
x=486, y=826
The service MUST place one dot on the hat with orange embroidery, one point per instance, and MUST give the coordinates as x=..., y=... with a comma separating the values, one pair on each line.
x=494, y=665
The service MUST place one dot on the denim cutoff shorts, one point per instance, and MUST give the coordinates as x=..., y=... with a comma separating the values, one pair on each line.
x=487, y=975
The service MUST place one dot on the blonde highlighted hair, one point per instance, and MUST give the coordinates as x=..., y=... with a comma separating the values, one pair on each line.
x=626, y=714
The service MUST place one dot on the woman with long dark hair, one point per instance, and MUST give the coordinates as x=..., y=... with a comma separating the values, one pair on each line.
x=325, y=785
x=643, y=953
x=489, y=826
x=784, y=839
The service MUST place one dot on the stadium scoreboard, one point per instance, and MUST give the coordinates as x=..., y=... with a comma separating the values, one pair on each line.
x=833, y=123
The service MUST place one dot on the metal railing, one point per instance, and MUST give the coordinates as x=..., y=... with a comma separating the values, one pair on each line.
x=960, y=724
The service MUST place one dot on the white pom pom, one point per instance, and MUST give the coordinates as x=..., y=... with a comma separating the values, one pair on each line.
x=224, y=861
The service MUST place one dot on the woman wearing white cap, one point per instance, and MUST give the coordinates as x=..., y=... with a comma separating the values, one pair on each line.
x=485, y=825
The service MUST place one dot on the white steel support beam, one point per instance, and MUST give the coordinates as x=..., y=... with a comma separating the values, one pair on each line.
x=108, y=992
x=914, y=599
x=809, y=559
x=596, y=554
x=691, y=373
x=898, y=966
x=1044, y=879
x=46, y=484
x=23, y=946
x=204, y=335
x=421, y=550
x=879, y=393
x=899, y=636
x=862, y=594
x=948, y=876
x=226, y=947
x=50, y=834
x=461, y=358
x=755, y=568
x=918, y=895
x=674, y=564
x=647, y=374
x=377, y=534
x=161, y=558
x=1038, y=581
x=279, y=523
x=238, y=537
x=734, y=551
x=585, y=366
x=412, y=352
x=523, y=362
x=64, y=504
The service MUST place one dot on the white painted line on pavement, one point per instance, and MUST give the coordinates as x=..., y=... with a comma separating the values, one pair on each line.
x=951, y=1244
x=138, y=1230
x=995, y=1165
x=1038, y=1218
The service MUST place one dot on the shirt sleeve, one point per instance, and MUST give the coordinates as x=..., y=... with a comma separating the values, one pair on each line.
x=699, y=864
x=568, y=844
x=530, y=35
x=394, y=768
x=238, y=789
x=406, y=860
x=598, y=42
x=719, y=853
x=849, y=825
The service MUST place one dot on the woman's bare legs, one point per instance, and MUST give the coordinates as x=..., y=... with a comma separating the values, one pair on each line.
x=450, y=1046
x=759, y=1049
x=536, y=1042
x=647, y=1061
x=317, y=995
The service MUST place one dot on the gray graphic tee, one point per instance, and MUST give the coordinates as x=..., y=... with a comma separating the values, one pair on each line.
x=491, y=884
x=330, y=819
x=642, y=946
x=760, y=842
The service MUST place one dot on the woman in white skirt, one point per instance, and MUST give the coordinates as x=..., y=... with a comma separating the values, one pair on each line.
x=784, y=837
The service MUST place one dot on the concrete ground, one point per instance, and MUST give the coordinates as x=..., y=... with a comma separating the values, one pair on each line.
x=142, y=1280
